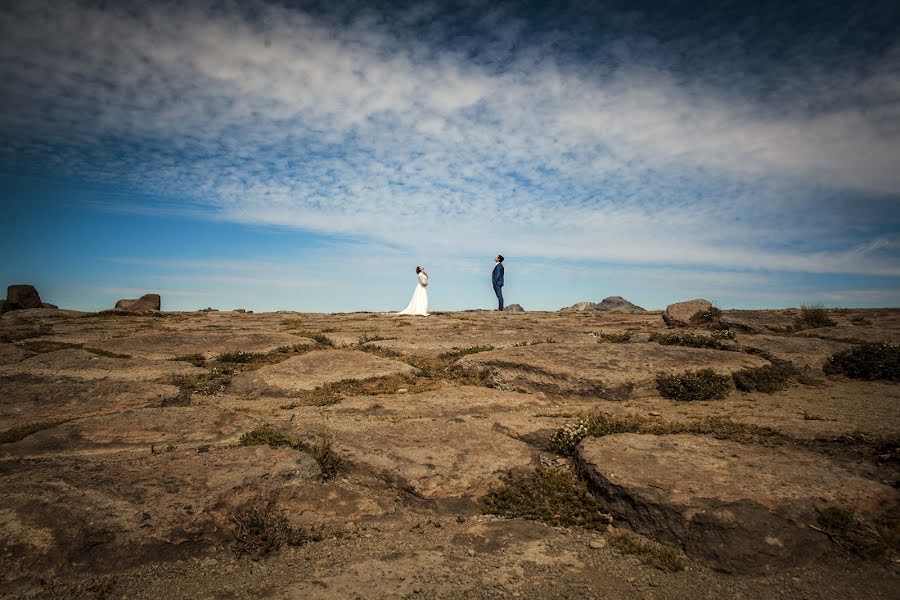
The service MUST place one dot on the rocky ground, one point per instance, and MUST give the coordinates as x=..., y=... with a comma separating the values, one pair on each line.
x=283, y=455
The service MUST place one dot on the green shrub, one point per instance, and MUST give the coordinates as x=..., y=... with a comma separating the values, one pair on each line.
x=552, y=496
x=704, y=384
x=691, y=340
x=712, y=316
x=238, y=357
x=866, y=361
x=812, y=316
x=767, y=379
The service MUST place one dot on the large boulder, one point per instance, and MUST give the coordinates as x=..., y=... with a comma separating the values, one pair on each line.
x=146, y=303
x=743, y=508
x=23, y=296
x=680, y=313
x=617, y=304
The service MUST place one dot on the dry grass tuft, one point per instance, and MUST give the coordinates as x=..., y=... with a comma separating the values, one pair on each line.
x=259, y=530
x=661, y=556
x=812, y=316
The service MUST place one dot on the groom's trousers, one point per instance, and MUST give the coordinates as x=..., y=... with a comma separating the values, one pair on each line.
x=498, y=289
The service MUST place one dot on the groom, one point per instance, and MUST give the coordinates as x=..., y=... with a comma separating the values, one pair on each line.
x=497, y=279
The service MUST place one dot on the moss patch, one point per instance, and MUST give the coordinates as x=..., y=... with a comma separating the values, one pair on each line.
x=551, y=496
x=704, y=384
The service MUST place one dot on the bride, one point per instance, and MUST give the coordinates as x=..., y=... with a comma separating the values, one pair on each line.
x=419, y=303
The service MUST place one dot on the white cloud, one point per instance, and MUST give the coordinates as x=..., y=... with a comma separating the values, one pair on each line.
x=289, y=120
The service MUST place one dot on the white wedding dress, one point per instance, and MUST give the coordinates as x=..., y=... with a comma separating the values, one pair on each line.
x=419, y=303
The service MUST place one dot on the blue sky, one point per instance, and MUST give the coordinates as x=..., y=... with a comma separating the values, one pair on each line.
x=282, y=155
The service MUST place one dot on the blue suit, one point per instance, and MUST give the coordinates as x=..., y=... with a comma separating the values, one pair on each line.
x=497, y=280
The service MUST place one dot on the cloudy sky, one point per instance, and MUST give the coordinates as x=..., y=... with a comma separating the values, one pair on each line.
x=307, y=156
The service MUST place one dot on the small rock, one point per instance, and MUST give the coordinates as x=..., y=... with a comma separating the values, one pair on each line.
x=654, y=413
x=471, y=552
x=402, y=391
x=202, y=448
x=514, y=308
x=598, y=544
x=631, y=579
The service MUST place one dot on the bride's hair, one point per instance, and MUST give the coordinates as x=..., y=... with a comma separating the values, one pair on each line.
x=418, y=270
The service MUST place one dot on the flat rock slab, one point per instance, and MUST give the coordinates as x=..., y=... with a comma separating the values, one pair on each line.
x=743, y=508
x=855, y=333
x=309, y=371
x=612, y=371
x=185, y=427
x=166, y=345
x=106, y=516
x=75, y=362
x=802, y=351
x=29, y=399
x=438, y=458
x=445, y=403
x=11, y=354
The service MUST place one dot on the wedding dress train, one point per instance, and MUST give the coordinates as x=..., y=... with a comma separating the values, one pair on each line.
x=419, y=303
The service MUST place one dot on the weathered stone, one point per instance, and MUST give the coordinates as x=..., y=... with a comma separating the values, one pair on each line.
x=445, y=402
x=109, y=515
x=617, y=304
x=311, y=370
x=2, y=306
x=126, y=302
x=680, y=313
x=27, y=399
x=75, y=362
x=135, y=430
x=22, y=296
x=438, y=458
x=610, y=371
x=803, y=352
x=514, y=308
x=743, y=508
x=48, y=305
x=208, y=343
x=11, y=354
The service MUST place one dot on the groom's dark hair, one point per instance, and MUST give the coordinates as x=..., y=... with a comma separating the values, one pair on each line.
x=418, y=270
x=500, y=256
